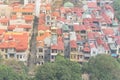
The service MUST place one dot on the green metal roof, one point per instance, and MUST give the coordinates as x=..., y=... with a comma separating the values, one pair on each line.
x=68, y=4
x=114, y=23
x=65, y=27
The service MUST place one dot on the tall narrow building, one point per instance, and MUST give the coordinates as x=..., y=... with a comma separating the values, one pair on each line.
x=37, y=7
x=25, y=2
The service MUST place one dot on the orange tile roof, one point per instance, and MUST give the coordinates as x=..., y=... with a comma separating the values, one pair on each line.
x=11, y=27
x=28, y=10
x=2, y=31
x=17, y=9
x=42, y=15
x=19, y=41
x=4, y=20
x=14, y=17
x=48, y=7
x=25, y=26
x=41, y=38
x=56, y=14
x=25, y=9
x=40, y=44
x=41, y=21
x=28, y=17
x=30, y=5
x=43, y=27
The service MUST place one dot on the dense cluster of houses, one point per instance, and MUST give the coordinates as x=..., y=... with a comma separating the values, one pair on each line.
x=16, y=23
x=77, y=33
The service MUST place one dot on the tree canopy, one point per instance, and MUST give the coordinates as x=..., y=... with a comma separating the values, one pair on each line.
x=62, y=69
x=7, y=73
x=116, y=6
x=102, y=67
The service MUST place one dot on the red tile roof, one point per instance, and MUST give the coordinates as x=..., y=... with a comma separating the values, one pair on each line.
x=56, y=14
x=28, y=17
x=91, y=35
x=99, y=41
x=107, y=6
x=48, y=6
x=2, y=31
x=79, y=27
x=59, y=31
x=54, y=46
x=25, y=26
x=86, y=44
x=60, y=39
x=43, y=28
x=11, y=27
x=108, y=31
x=92, y=4
x=60, y=45
x=92, y=45
x=117, y=38
x=106, y=47
x=73, y=44
x=86, y=49
x=4, y=20
x=79, y=38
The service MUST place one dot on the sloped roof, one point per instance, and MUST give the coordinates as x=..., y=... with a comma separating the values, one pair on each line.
x=68, y=4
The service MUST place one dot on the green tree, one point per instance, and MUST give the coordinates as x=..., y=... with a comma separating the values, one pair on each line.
x=116, y=6
x=17, y=67
x=102, y=67
x=118, y=60
x=7, y=73
x=1, y=58
x=62, y=69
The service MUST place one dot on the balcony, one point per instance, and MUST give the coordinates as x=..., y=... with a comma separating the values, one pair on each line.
x=11, y=51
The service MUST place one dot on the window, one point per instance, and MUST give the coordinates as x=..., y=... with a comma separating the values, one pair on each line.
x=42, y=63
x=52, y=57
x=73, y=49
x=93, y=52
x=78, y=57
x=54, y=51
x=83, y=31
x=20, y=56
x=81, y=56
x=40, y=56
x=74, y=56
x=17, y=56
x=2, y=49
x=40, y=50
x=119, y=50
x=48, y=17
x=48, y=23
